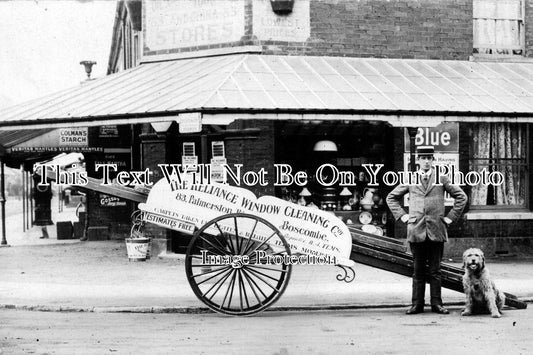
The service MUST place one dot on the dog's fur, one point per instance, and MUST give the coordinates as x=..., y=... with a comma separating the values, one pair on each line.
x=482, y=296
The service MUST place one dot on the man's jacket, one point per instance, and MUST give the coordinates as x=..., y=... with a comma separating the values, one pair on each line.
x=426, y=208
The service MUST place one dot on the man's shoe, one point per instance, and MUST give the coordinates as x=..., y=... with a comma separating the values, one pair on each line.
x=439, y=309
x=415, y=310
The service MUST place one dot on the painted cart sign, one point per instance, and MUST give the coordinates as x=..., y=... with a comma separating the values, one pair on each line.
x=307, y=230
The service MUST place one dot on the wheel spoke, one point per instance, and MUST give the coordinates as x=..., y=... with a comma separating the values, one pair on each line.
x=219, y=283
x=253, y=272
x=223, y=252
x=218, y=241
x=250, y=238
x=228, y=242
x=237, y=244
x=242, y=291
x=208, y=272
x=232, y=284
x=261, y=273
x=250, y=280
x=264, y=242
x=213, y=276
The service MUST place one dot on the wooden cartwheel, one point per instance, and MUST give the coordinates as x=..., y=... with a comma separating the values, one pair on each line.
x=236, y=274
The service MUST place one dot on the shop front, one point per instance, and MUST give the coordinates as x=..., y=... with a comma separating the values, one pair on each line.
x=341, y=114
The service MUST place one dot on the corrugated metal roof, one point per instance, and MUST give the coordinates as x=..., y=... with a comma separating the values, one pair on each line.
x=255, y=83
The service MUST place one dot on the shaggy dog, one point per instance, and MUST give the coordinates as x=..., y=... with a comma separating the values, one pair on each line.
x=482, y=296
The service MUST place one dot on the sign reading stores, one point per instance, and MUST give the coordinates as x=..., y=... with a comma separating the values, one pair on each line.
x=188, y=23
x=73, y=137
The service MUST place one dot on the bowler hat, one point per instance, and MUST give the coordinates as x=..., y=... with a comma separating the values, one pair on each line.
x=425, y=150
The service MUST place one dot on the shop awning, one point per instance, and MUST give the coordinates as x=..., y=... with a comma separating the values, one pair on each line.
x=400, y=91
x=9, y=139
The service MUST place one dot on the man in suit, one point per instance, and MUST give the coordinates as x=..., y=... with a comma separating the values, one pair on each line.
x=427, y=227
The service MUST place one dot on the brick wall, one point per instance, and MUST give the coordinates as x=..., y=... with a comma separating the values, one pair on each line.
x=429, y=29
x=254, y=152
x=494, y=237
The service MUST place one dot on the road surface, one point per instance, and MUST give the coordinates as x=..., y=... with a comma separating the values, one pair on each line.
x=364, y=331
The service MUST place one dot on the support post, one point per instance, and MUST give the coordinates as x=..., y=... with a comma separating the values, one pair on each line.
x=31, y=216
x=23, y=197
x=204, y=148
x=28, y=199
x=412, y=134
x=3, y=203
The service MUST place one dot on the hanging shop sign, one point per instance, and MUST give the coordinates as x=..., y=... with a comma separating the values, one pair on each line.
x=74, y=137
x=71, y=149
x=190, y=122
x=57, y=141
x=120, y=160
x=189, y=160
x=307, y=230
x=217, y=172
x=190, y=23
x=110, y=131
x=111, y=201
x=444, y=137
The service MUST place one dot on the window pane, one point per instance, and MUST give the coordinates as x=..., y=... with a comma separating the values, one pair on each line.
x=497, y=27
x=499, y=147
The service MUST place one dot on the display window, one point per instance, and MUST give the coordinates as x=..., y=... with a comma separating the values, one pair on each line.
x=499, y=147
x=333, y=156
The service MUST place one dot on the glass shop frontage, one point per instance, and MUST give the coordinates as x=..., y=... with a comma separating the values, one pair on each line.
x=332, y=155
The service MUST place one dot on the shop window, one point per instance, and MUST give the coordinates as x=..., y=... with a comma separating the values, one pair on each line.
x=499, y=27
x=189, y=149
x=136, y=49
x=500, y=147
x=217, y=149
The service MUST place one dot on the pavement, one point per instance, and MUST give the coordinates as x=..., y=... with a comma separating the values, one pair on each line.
x=96, y=276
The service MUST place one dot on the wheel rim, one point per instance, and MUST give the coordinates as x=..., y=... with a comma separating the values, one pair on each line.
x=235, y=264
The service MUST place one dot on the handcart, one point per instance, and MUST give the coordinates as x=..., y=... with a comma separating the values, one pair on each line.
x=240, y=257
